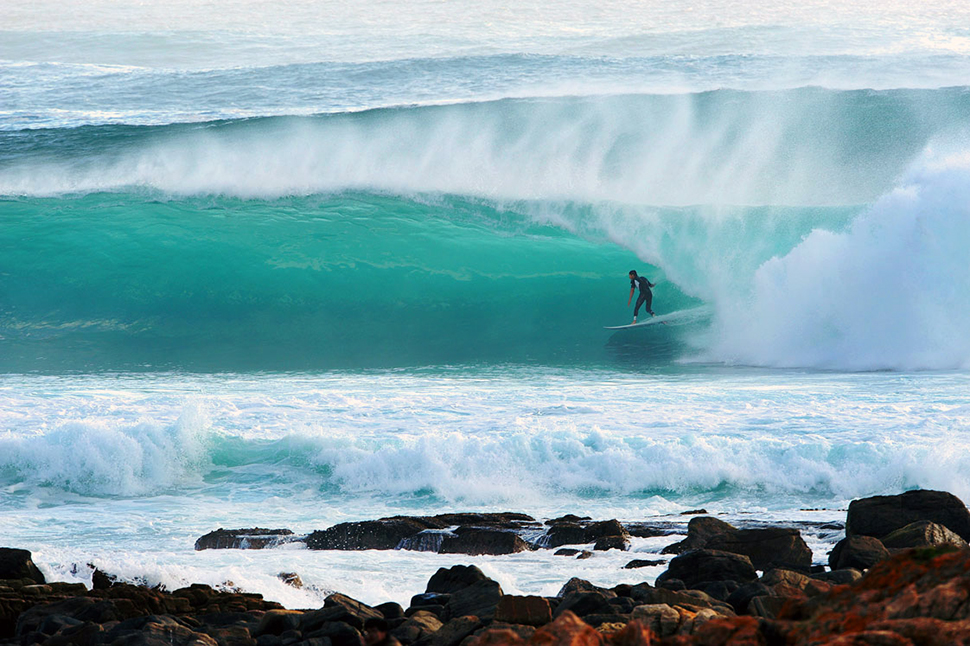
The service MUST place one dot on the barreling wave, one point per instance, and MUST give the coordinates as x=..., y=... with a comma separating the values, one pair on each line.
x=496, y=232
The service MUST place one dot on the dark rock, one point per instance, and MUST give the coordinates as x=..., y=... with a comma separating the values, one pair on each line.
x=602, y=529
x=390, y=610
x=581, y=585
x=639, y=563
x=693, y=512
x=366, y=535
x=291, y=579
x=102, y=580
x=338, y=632
x=879, y=516
x=505, y=519
x=767, y=548
x=529, y=610
x=699, y=530
x=671, y=584
x=700, y=566
x=845, y=576
x=564, y=534
x=859, y=552
x=276, y=622
x=418, y=626
x=596, y=619
x=922, y=533
x=568, y=518
x=241, y=539
x=584, y=554
x=604, y=543
x=720, y=590
x=435, y=609
x=585, y=603
x=479, y=599
x=455, y=631
x=766, y=607
x=432, y=598
x=623, y=605
x=455, y=578
x=566, y=551
x=16, y=564
x=740, y=598
x=338, y=608
x=476, y=541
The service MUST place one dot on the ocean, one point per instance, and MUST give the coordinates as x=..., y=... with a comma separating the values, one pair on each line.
x=296, y=264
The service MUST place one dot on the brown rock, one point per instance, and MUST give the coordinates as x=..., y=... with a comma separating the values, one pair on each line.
x=420, y=624
x=567, y=630
x=529, y=611
x=17, y=564
x=455, y=631
x=498, y=637
x=922, y=533
x=476, y=541
x=859, y=552
x=879, y=516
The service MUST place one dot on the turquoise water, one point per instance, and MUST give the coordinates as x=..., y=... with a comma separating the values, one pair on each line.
x=266, y=267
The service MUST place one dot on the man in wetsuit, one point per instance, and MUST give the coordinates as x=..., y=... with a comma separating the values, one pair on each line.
x=646, y=296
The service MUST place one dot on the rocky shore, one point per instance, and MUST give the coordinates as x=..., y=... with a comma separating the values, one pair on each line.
x=900, y=576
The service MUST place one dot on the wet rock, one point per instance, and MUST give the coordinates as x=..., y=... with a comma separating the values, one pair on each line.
x=878, y=516
x=766, y=547
x=17, y=564
x=576, y=584
x=419, y=625
x=527, y=610
x=479, y=599
x=922, y=533
x=254, y=538
x=564, y=534
x=291, y=579
x=639, y=563
x=584, y=554
x=617, y=542
x=366, y=535
x=568, y=518
x=859, y=552
x=475, y=541
x=455, y=578
x=700, y=566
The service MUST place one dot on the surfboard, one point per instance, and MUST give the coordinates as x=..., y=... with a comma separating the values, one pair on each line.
x=679, y=317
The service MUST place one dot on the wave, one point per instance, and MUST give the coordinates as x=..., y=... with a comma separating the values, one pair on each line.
x=536, y=463
x=495, y=232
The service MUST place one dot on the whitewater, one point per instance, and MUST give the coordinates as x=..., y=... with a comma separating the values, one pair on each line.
x=300, y=264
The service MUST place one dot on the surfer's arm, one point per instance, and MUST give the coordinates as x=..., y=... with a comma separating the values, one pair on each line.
x=631, y=297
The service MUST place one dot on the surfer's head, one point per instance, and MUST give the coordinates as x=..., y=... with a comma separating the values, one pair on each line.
x=633, y=273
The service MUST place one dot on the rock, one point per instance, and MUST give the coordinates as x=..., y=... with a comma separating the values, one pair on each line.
x=17, y=564
x=497, y=637
x=390, y=610
x=923, y=533
x=859, y=552
x=879, y=516
x=786, y=577
x=740, y=598
x=576, y=584
x=455, y=631
x=634, y=633
x=567, y=551
x=700, y=566
x=767, y=607
x=455, y=578
x=699, y=530
x=639, y=563
x=767, y=548
x=602, y=529
x=479, y=599
x=290, y=578
x=567, y=630
x=338, y=608
x=585, y=603
x=366, y=535
x=242, y=539
x=419, y=625
x=584, y=554
x=564, y=534
x=506, y=519
x=276, y=622
x=529, y=611
x=337, y=633
x=568, y=518
x=474, y=541
x=845, y=576
x=605, y=543
x=660, y=618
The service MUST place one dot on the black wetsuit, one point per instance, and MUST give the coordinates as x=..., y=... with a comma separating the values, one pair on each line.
x=646, y=296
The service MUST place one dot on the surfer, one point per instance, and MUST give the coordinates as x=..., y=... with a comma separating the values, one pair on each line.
x=646, y=296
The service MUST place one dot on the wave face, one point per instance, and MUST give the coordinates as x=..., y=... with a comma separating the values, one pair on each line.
x=820, y=228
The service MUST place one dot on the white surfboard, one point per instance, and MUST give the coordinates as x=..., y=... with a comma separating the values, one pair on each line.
x=678, y=317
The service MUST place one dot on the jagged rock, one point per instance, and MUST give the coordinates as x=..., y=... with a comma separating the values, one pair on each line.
x=605, y=543
x=530, y=610
x=366, y=535
x=879, y=516
x=859, y=552
x=766, y=547
x=455, y=631
x=419, y=625
x=585, y=603
x=478, y=599
x=157, y=631
x=455, y=578
x=17, y=564
x=390, y=610
x=922, y=533
x=475, y=541
x=276, y=622
x=339, y=608
x=254, y=538
x=576, y=584
x=639, y=563
x=699, y=566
